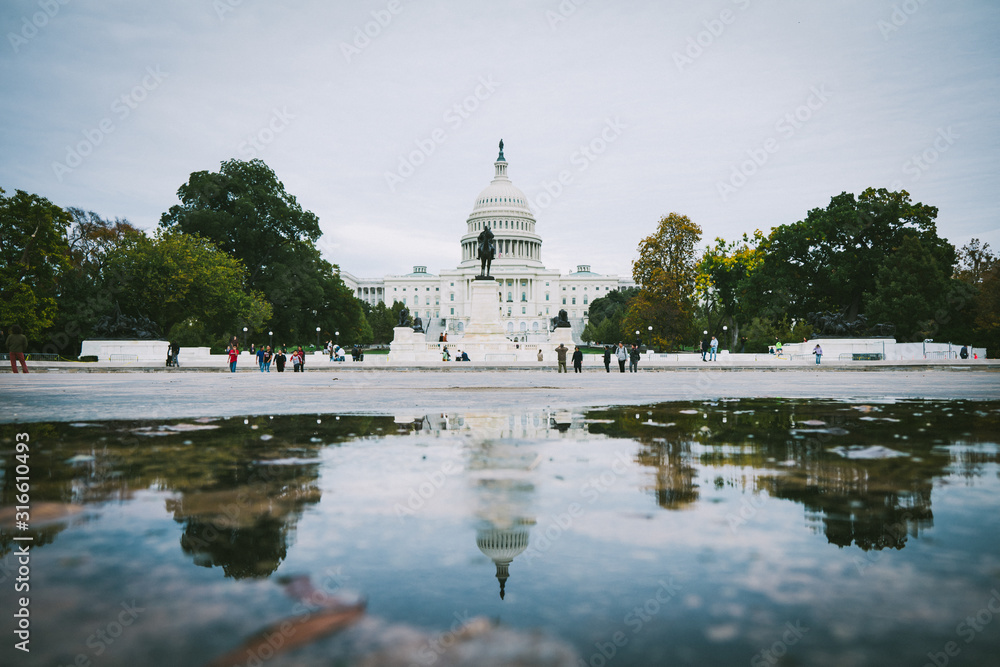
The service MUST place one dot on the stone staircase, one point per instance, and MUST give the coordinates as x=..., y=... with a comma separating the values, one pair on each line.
x=434, y=327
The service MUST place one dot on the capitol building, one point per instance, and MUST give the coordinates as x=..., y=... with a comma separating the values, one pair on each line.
x=528, y=294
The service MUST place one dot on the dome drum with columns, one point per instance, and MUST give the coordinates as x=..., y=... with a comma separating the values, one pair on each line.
x=528, y=294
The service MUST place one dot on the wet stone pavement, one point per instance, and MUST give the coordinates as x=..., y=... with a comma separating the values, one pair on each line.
x=496, y=519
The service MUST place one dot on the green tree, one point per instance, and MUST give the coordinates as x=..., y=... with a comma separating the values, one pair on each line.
x=723, y=282
x=915, y=291
x=987, y=317
x=975, y=259
x=665, y=273
x=86, y=292
x=174, y=277
x=33, y=255
x=245, y=210
x=830, y=260
x=605, y=315
x=380, y=320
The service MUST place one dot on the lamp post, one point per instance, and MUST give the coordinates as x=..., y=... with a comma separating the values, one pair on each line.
x=317, y=338
x=638, y=340
x=270, y=341
x=244, y=338
x=725, y=336
x=650, y=330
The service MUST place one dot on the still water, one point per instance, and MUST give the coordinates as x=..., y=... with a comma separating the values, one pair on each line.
x=743, y=532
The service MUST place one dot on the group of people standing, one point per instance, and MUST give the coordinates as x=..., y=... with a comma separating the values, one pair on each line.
x=265, y=356
x=621, y=353
x=561, y=352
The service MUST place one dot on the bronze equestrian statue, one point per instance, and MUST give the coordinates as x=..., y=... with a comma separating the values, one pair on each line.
x=487, y=250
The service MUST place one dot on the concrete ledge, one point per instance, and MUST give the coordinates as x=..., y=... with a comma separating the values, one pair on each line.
x=378, y=364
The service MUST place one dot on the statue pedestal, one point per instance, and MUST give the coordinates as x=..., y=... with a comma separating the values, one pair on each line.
x=484, y=314
x=562, y=335
x=407, y=345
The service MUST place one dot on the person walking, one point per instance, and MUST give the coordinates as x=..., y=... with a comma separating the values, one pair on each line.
x=704, y=347
x=561, y=357
x=965, y=352
x=621, y=354
x=234, y=354
x=818, y=351
x=607, y=358
x=713, y=349
x=302, y=359
x=633, y=359
x=577, y=359
x=267, y=359
x=540, y=357
x=260, y=358
x=279, y=360
x=175, y=352
x=17, y=345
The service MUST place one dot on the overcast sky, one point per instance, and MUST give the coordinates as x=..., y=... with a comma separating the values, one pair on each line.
x=383, y=117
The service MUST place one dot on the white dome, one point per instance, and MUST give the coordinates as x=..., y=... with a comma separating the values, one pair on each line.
x=501, y=195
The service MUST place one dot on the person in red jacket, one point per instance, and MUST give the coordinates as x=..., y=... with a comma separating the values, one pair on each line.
x=234, y=354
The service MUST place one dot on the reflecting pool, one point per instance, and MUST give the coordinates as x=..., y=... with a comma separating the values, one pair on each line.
x=760, y=532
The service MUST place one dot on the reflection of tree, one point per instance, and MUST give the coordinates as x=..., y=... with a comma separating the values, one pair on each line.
x=674, y=474
x=241, y=552
x=221, y=475
x=243, y=522
x=786, y=448
x=858, y=505
x=667, y=450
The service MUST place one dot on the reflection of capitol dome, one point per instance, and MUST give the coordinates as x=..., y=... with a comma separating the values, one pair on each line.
x=502, y=546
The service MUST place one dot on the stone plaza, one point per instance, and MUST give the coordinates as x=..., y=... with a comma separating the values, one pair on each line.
x=172, y=394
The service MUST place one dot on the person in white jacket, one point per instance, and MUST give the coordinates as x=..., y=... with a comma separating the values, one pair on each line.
x=621, y=354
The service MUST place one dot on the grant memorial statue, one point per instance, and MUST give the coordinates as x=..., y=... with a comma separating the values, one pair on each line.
x=486, y=249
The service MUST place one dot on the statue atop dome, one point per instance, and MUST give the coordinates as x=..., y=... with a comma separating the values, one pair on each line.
x=500, y=157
